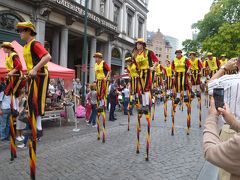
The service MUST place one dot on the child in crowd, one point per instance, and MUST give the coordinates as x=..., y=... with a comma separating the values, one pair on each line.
x=93, y=101
x=20, y=126
x=88, y=106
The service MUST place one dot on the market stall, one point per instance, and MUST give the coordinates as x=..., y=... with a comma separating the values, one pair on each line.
x=53, y=109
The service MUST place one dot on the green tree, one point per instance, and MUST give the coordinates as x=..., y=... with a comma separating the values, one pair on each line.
x=191, y=45
x=221, y=11
x=226, y=40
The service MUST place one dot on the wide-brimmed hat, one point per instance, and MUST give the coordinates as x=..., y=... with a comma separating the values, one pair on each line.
x=140, y=40
x=178, y=51
x=98, y=54
x=192, y=52
x=26, y=25
x=128, y=59
x=223, y=55
x=209, y=54
x=7, y=45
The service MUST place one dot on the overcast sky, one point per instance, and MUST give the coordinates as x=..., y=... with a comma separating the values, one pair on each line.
x=175, y=17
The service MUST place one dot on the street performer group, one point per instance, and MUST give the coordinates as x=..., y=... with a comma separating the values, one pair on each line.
x=180, y=78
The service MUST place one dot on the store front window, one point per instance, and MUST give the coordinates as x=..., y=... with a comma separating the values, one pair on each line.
x=116, y=65
x=8, y=23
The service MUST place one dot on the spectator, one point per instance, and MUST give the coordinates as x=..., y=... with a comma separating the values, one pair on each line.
x=20, y=126
x=88, y=106
x=59, y=90
x=93, y=100
x=77, y=87
x=126, y=95
x=5, y=125
x=113, y=102
x=23, y=108
x=110, y=86
x=222, y=154
x=231, y=85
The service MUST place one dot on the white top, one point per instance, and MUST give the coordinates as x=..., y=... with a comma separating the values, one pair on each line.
x=6, y=100
x=51, y=89
x=231, y=85
x=126, y=92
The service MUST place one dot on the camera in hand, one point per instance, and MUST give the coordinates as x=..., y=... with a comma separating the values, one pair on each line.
x=218, y=95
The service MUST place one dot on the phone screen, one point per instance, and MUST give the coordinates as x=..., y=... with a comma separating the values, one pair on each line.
x=218, y=95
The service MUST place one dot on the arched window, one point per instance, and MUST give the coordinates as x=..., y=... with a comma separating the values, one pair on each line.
x=116, y=53
x=9, y=20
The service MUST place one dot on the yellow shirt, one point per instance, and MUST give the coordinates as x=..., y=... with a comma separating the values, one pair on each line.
x=142, y=60
x=9, y=61
x=99, y=71
x=30, y=60
x=132, y=70
x=180, y=64
x=194, y=64
x=223, y=62
x=212, y=64
x=168, y=71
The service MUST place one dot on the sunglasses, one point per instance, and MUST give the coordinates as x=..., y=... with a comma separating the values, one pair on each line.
x=22, y=30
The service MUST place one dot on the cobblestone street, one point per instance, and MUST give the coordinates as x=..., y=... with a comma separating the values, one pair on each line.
x=64, y=154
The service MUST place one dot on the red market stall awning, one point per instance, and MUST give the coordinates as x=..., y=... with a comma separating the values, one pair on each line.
x=55, y=71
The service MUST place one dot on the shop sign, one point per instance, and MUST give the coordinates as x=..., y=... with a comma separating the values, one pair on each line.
x=91, y=16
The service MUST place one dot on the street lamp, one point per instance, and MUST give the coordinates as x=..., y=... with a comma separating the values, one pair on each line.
x=84, y=59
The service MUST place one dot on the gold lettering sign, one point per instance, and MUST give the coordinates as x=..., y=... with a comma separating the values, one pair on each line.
x=91, y=16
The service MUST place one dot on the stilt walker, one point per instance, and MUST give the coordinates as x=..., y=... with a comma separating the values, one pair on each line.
x=212, y=65
x=223, y=60
x=102, y=71
x=36, y=58
x=196, y=72
x=145, y=61
x=204, y=80
x=14, y=68
x=159, y=84
x=181, y=67
x=168, y=86
x=133, y=74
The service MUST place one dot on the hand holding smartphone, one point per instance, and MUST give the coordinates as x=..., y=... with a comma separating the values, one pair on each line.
x=218, y=95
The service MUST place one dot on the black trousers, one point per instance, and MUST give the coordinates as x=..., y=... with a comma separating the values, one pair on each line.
x=112, y=110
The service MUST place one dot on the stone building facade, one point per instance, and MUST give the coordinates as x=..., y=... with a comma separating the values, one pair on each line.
x=113, y=26
x=157, y=43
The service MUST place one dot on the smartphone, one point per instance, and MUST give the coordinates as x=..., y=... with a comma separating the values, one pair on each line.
x=218, y=95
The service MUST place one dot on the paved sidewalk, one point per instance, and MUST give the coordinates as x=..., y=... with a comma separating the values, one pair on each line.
x=64, y=154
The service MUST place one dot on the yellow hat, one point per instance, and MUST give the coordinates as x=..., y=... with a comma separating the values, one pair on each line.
x=209, y=54
x=223, y=55
x=192, y=52
x=141, y=40
x=178, y=51
x=27, y=24
x=128, y=59
x=98, y=54
x=7, y=45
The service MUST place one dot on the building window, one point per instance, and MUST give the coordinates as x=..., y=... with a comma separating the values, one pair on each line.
x=116, y=15
x=140, y=29
x=102, y=7
x=167, y=56
x=159, y=55
x=116, y=53
x=129, y=25
x=8, y=21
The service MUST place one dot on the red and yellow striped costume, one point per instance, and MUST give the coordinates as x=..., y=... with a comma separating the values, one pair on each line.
x=180, y=67
x=169, y=74
x=196, y=67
